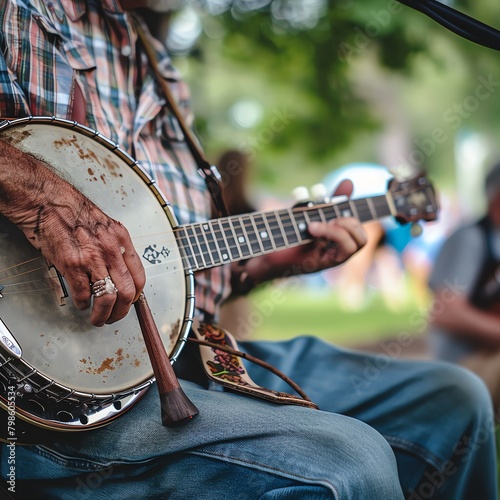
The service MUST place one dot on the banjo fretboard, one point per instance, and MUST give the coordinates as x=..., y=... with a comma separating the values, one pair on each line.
x=228, y=239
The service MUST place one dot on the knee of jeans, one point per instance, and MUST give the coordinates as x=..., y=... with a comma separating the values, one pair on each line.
x=373, y=470
x=463, y=392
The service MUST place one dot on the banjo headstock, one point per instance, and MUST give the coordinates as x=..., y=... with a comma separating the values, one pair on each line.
x=413, y=199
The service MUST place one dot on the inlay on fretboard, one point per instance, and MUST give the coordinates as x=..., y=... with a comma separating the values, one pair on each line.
x=229, y=239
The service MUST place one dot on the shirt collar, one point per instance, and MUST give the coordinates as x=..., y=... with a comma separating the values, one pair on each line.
x=75, y=9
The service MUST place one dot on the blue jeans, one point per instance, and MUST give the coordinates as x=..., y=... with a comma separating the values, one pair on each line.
x=385, y=427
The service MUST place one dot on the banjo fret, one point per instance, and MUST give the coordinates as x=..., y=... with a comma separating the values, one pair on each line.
x=241, y=236
x=230, y=238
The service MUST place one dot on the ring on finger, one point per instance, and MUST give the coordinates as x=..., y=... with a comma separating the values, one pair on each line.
x=104, y=286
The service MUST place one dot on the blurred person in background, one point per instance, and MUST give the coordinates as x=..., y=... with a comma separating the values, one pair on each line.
x=464, y=317
x=234, y=167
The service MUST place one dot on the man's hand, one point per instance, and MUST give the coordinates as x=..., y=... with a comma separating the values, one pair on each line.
x=335, y=242
x=72, y=233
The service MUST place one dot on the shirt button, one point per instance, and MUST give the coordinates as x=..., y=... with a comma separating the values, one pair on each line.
x=126, y=51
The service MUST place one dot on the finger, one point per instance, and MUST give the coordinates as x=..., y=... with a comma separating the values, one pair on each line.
x=103, y=303
x=354, y=228
x=127, y=293
x=134, y=265
x=346, y=232
x=345, y=188
x=79, y=288
x=83, y=265
x=123, y=281
x=125, y=269
x=101, y=308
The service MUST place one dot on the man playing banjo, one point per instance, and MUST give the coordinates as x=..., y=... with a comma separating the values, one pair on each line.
x=416, y=430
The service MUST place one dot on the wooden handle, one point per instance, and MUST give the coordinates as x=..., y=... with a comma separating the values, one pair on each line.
x=176, y=407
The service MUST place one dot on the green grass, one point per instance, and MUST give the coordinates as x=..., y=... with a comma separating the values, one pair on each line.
x=280, y=313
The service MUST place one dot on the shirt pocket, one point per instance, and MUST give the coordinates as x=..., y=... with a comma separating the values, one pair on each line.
x=180, y=93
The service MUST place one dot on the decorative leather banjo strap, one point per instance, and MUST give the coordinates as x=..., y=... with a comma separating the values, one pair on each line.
x=222, y=363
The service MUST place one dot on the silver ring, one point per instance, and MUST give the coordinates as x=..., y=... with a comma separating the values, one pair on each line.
x=103, y=286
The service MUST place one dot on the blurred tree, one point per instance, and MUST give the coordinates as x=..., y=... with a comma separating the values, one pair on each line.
x=301, y=74
x=312, y=54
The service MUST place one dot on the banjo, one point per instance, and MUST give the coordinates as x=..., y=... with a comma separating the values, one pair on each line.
x=58, y=371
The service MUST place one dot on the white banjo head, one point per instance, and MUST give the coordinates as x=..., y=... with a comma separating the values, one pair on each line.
x=58, y=340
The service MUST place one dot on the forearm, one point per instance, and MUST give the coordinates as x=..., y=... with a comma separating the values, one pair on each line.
x=249, y=274
x=28, y=189
x=264, y=268
x=459, y=317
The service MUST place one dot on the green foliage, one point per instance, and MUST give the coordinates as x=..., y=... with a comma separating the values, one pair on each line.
x=314, y=74
x=314, y=63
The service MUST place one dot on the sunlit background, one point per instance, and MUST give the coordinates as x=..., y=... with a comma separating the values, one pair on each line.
x=307, y=87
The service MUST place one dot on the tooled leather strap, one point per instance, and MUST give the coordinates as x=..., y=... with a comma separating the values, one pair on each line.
x=222, y=363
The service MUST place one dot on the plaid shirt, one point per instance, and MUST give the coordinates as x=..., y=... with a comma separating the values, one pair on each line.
x=50, y=47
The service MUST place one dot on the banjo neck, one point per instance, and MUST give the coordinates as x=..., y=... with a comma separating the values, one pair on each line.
x=220, y=241
x=229, y=239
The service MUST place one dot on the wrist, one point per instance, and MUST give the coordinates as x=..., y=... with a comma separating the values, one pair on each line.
x=247, y=275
